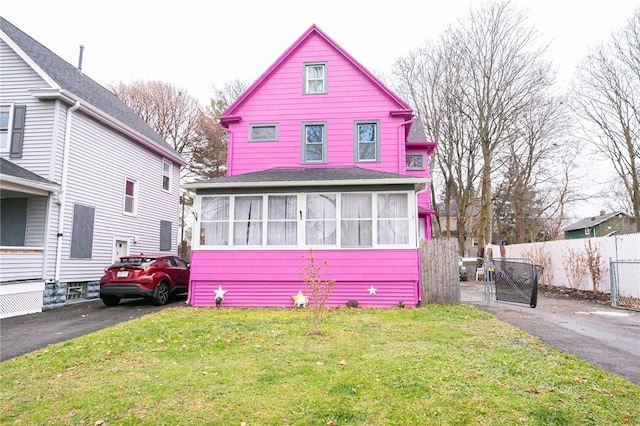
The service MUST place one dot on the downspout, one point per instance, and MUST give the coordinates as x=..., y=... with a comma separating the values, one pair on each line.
x=63, y=188
x=402, y=170
x=229, y=148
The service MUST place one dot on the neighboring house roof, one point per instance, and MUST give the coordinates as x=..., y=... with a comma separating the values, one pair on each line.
x=70, y=79
x=307, y=177
x=592, y=221
x=14, y=174
x=228, y=115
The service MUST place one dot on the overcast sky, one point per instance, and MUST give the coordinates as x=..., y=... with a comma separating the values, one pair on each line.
x=196, y=44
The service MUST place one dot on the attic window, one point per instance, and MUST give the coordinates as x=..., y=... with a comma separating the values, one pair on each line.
x=315, y=78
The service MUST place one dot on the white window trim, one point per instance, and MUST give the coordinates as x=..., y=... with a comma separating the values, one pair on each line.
x=356, y=137
x=135, y=197
x=9, y=108
x=301, y=221
x=252, y=126
x=422, y=161
x=305, y=79
x=170, y=175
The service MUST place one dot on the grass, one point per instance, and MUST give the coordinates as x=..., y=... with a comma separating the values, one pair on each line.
x=434, y=365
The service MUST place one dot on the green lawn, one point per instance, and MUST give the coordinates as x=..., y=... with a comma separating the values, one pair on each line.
x=433, y=365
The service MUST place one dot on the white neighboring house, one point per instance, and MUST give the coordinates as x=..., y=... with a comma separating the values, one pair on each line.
x=83, y=179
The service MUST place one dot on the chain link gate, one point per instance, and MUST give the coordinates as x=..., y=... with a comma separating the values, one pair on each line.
x=515, y=280
x=625, y=284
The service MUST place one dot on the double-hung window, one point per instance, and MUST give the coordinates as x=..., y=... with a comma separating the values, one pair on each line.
x=5, y=134
x=314, y=143
x=166, y=175
x=367, y=141
x=315, y=78
x=130, y=196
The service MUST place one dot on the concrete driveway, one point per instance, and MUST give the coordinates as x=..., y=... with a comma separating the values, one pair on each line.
x=26, y=333
x=606, y=337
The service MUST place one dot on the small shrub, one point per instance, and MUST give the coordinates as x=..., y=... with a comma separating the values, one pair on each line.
x=352, y=303
x=315, y=278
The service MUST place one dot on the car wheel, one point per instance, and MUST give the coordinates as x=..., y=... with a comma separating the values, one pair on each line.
x=110, y=300
x=162, y=294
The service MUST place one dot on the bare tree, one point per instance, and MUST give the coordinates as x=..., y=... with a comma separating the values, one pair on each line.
x=171, y=112
x=210, y=148
x=607, y=89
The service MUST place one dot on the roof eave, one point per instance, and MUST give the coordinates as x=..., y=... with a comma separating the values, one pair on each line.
x=14, y=183
x=97, y=113
x=420, y=184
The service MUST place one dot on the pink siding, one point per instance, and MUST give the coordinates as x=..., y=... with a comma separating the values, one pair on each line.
x=270, y=278
x=351, y=95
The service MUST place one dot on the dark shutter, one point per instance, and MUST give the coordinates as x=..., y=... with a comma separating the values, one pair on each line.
x=17, y=131
x=165, y=235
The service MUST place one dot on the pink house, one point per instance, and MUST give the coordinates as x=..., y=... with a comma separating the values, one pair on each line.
x=322, y=156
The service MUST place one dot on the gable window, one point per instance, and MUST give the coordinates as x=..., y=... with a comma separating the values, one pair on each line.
x=367, y=141
x=415, y=162
x=166, y=175
x=263, y=132
x=314, y=149
x=315, y=78
x=5, y=133
x=130, y=196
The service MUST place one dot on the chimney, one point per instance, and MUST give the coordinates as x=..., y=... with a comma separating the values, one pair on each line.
x=80, y=59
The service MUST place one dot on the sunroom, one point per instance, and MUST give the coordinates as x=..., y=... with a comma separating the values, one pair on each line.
x=252, y=230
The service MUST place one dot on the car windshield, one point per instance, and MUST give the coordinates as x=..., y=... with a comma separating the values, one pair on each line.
x=135, y=261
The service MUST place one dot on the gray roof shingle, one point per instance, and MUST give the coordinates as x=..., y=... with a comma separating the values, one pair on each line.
x=301, y=175
x=77, y=83
x=7, y=168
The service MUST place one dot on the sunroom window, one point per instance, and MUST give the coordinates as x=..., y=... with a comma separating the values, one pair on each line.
x=350, y=219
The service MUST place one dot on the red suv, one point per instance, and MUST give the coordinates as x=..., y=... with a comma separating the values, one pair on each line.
x=153, y=277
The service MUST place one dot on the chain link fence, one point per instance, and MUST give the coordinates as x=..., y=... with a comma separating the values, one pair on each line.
x=625, y=284
x=516, y=280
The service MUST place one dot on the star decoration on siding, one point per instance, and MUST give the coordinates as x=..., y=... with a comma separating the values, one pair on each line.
x=300, y=300
x=220, y=293
x=372, y=291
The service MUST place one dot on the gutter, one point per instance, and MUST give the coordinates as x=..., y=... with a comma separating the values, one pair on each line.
x=401, y=141
x=63, y=188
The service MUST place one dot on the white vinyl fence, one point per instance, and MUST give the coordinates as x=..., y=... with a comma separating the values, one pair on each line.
x=566, y=262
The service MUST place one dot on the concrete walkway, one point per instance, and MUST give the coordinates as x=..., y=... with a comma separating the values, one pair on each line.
x=606, y=337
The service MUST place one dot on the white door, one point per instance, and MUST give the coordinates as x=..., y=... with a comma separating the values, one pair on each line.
x=121, y=249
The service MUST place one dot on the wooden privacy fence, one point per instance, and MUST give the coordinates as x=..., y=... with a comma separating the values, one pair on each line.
x=439, y=271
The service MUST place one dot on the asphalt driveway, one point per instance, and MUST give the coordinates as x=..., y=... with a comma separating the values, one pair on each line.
x=26, y=333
